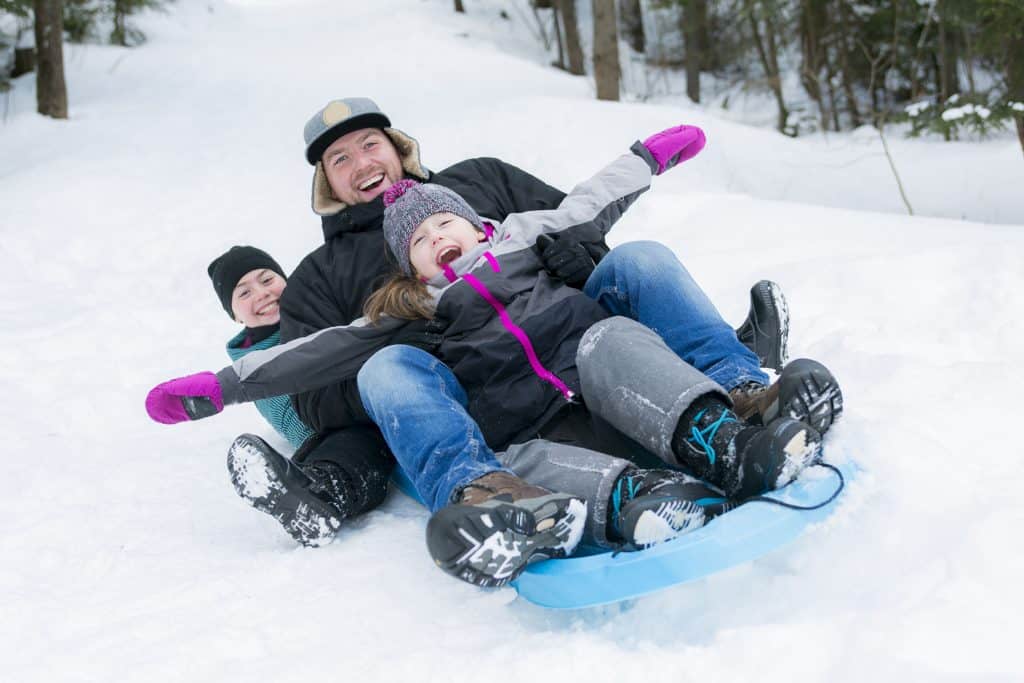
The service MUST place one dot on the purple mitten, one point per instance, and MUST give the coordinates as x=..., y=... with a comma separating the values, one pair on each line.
x=674, y=146
x=185, y=398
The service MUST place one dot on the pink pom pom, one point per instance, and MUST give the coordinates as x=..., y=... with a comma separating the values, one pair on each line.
x=392, y=194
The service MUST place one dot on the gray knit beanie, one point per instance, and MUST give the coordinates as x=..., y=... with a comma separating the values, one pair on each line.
x=408, y=203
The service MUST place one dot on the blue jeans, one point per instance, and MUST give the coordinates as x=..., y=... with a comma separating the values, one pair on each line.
x=420, y=406
x=646, y=282
x=421, y=409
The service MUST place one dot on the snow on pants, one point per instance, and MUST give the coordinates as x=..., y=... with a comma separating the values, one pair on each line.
x=632, y=379
x=569, y=469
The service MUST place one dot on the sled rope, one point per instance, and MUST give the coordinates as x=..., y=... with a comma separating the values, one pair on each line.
x=791, y=506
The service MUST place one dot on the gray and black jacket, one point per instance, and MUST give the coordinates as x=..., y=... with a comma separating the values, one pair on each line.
x=330, y=286
x=514, y=330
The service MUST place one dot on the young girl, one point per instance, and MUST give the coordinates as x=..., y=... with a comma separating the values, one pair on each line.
x=522, y=347
x=328, y=479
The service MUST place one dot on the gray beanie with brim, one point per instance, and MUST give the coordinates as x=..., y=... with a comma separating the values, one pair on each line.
x=341, y=117
x=337, y=118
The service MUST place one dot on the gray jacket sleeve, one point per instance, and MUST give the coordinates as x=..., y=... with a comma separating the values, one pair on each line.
x=311, y=362
x=598, y=201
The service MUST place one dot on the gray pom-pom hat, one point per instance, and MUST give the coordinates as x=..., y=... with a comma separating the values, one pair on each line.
x=408, y=203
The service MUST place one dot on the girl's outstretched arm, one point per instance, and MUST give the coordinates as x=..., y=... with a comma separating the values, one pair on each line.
x=598, y=202
x=185, y=398
x=303, y=364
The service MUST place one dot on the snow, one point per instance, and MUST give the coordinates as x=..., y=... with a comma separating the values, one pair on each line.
x=125, y=553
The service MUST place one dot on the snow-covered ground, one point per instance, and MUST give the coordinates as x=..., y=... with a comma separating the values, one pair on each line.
x=125, y=555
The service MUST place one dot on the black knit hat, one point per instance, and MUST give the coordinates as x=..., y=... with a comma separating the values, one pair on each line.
x=231, y=266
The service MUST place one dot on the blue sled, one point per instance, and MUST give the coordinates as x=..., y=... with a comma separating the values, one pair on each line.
x=739, y=536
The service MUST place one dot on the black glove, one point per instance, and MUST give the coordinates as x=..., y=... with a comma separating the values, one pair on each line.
x=423, y=334
x=569, y=260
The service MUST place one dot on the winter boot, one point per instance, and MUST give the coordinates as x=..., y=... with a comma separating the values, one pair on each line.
x=805, y=391
x=743, y=460
x=499, y=524
x=766, y=329
x=309, y=502
x=653, y=506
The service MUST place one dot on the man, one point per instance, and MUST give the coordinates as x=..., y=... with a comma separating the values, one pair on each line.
x=357, y=155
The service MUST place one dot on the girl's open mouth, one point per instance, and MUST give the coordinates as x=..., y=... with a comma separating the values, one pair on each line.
x=447, y=255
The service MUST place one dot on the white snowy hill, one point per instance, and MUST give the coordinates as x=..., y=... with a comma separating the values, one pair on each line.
x=125, y=554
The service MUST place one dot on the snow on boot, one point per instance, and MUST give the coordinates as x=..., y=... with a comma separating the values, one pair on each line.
x=308, y=502
x=743, y=460
x=499, y=525
x=805, y=391
x=766, y=329
x=654, y=506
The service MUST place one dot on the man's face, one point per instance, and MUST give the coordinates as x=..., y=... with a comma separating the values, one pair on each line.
x=254, y=299
x=360, y=165
x=439, y=240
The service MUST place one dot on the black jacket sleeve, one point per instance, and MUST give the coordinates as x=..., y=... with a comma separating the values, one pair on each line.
x=309, y=304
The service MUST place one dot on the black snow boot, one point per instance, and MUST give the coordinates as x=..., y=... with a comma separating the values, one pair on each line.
x=652, y=506
x=743, y=460
x=499, y=525
x=805, y=391
x=766, y=329
x=309, y=501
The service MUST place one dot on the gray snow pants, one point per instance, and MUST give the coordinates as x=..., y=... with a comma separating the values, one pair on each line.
x=631, y=379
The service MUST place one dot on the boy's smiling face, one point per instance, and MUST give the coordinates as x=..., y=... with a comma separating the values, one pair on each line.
x=439, y=240
x=254, y=299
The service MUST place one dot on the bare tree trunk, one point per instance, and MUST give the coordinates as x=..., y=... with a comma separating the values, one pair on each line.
x=949, y=81
x=769, y=60
x=969, y=61
x=810, y=49
x=1015, y=79
x=567, y=8
x=833, y=101
x=632, y=18
x=459, y=7
x=606, y=50
x=119, y=35
x=845, y=65
x=694, y=27
x=558, y=40
x=51, y=90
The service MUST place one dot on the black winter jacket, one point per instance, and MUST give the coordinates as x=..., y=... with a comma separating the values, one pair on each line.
x=330, y=285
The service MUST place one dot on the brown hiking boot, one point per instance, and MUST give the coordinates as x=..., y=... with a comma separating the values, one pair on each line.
x=498, y=484
x=499, y=525
x=752, y=400
x=805, y=391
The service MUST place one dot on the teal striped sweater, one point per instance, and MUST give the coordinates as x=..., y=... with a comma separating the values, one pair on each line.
x=278, y=410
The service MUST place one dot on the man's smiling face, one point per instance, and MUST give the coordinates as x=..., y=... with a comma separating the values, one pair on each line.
x=360, y=165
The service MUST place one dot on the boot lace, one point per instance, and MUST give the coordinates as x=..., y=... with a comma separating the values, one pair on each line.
x=703, y=437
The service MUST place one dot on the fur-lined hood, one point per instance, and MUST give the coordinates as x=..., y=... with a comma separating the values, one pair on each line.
x=324, y=201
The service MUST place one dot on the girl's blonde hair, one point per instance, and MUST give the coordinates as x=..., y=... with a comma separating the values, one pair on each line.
x=401, y=296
